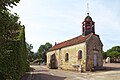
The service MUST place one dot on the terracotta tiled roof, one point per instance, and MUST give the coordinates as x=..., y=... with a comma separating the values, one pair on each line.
x=70, y=42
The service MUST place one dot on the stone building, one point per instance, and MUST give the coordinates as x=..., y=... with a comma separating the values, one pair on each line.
x=80, y=53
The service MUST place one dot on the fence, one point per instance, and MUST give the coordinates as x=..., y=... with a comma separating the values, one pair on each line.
x=114, y=60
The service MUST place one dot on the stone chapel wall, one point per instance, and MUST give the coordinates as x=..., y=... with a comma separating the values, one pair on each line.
x=94, y=46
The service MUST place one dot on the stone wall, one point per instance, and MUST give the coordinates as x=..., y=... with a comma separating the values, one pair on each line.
x=73, y=56
x=94, y=46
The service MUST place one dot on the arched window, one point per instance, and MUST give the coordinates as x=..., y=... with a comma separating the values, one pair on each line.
x=79, y=54
x=66, y=57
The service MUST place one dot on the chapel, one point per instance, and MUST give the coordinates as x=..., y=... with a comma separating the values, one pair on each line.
x=82, y=53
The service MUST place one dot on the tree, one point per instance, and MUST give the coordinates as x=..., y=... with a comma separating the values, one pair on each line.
x=114, y=52
x=13, y=52
x=31, y=54
x=104, y=55
x=5, y=4
x=43, y=50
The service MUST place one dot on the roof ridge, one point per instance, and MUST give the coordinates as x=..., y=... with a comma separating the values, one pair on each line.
x=69, y=42
x=69, y=39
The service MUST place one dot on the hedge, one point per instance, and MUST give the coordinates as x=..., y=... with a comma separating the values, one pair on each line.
x=13, y=56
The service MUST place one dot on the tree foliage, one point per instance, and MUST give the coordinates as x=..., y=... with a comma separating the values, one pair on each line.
x=114, y=52
x=42, y=51
x=31, y=55
x=104, y=55
x=5, y=4
x=13, y=54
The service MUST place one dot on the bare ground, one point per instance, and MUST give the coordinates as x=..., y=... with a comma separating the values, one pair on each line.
x=111, y=71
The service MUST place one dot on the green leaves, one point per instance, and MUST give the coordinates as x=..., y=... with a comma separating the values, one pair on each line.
x=30, y=53
x=14, y=57
x=43, y=50
x=5, y=4
x=114, y=52
x=9, y=25
x=13, y=52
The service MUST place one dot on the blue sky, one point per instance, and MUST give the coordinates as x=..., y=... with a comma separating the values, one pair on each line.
x=59, y=20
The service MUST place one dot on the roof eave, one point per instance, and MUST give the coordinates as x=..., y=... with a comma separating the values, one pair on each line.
x=66, y=46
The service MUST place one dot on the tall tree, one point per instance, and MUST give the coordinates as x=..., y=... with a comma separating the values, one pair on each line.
x=43, y=50
x=13, y=57
x=30, y=53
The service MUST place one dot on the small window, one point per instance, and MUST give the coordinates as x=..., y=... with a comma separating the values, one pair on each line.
x=80, y=55
x=66, y=57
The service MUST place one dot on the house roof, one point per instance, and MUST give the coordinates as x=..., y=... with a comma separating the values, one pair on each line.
x=70, y=42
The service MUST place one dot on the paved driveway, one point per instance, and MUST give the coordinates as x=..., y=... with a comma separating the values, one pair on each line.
x=43, y=73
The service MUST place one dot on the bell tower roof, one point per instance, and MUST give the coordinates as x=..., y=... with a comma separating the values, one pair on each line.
x=88, y=26
x=88, y=18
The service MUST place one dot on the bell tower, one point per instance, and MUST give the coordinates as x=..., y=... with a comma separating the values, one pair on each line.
x=88, y=26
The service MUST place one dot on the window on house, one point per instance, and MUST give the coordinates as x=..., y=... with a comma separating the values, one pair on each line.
x=79, y=54
x=66, y=57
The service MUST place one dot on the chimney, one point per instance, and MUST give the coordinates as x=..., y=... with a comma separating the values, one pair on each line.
x=55, y=43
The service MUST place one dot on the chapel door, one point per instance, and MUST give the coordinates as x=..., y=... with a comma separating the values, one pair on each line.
x=53, y=60
x=95, y=60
